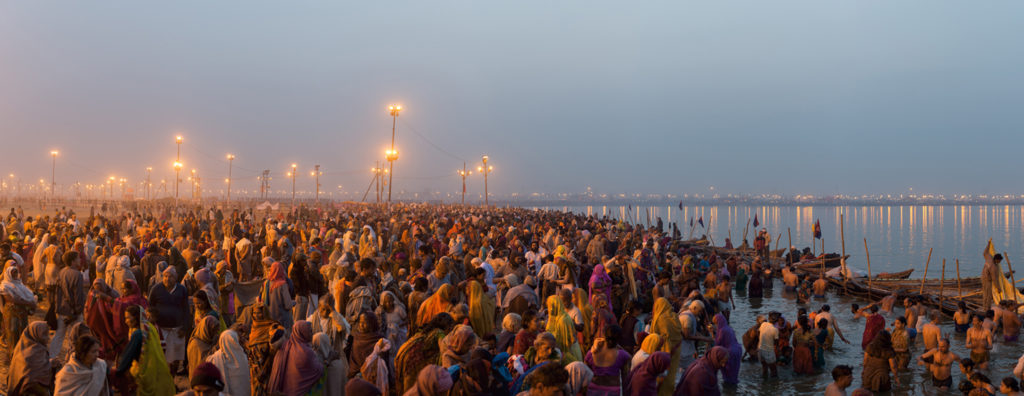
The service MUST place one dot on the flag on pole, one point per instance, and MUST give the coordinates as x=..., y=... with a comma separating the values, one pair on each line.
x=756, y=223
x=701, y=221
x=817, y=229
x=691, y=221
x=680, y=205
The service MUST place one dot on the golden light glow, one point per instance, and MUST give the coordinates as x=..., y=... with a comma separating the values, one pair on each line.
x=149, y=168
x=54, y=153
x=294, y=166
x=178, y=139
x=177, y=165
x=231, y=157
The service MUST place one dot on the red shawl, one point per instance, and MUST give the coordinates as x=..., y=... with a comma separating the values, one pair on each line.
x=872, y=326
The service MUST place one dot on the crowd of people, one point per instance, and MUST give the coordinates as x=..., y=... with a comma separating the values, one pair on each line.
x=413, y=300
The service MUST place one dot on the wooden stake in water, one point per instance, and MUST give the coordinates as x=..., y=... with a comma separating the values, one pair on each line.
x=1012, y=277
x=959, y=291
x=789, y=236
x=942, y=284
x=842, y=258
x=925, y=270
x=867, y=255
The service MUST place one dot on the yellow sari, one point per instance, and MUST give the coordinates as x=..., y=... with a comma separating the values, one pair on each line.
x=666, y=325
x=435, y=304
x=481, y=310
x=579, y=297
x=562, y=327
x=150, y=371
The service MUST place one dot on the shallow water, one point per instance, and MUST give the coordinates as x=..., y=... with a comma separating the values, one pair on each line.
x=898, y=237
x=915, y=382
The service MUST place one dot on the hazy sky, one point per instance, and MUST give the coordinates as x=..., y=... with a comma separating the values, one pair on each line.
x=664, y=97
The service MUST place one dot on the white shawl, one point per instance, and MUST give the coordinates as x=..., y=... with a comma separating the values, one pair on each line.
x=233, y=364
x=75, y=379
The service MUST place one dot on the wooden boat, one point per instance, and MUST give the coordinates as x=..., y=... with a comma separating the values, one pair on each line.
x=811, y=265
x=895, y=275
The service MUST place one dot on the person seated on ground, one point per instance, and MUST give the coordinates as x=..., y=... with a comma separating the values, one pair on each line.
x=940, y=362
x=842, y=377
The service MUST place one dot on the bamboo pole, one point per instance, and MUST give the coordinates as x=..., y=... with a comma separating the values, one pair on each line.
x=789, y=236
x=925, y=270
x=942, y=284
x=867, y=255
x=746, y=228
x=777, y=240
x=842, y=258
x=730, y=238
x=959, y=291
x=823, y=257
x=1013, y=278
x=710, y=239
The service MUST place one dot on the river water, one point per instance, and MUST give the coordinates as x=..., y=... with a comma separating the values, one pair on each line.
x=898, y=237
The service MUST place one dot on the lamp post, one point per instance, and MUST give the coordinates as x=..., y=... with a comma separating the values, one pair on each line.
x=292, y=175
x=53, y=176
x=392, y=155
x=124, y=186
x=231, y=159
x=110, y=187
x=193, y=180
x=463, y=173
x=177, y=180
x=316, y=173
x=149, y=171
x=485, y=169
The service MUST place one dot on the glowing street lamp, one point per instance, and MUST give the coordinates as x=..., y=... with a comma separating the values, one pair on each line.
x=149, y=171
x=292, y=175
x=392, y=155
x=485, y=169
x=464, y=173
x=177, y=179
x=53, y=175
x=231, y=159
x=316, y=173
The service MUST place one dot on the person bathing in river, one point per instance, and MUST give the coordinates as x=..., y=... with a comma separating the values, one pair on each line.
x=820, y=286
x=889, y=301
x=1010, y=320
x=979, y=341
x=961, y=318
x=930, y=332
x=940, y=362
x=790, y=279
x=825, y=313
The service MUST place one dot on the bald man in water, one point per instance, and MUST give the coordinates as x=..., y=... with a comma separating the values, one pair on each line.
x=940, y=362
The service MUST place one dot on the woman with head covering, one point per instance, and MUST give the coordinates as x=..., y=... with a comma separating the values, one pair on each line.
x=437, y=303
x=233, y=364
x=650, y=345
x=601, y=283
x=226, y=282
x=375, y=367
x=142, y=364
x=472, y=379
x=276, y=296
x=455, y=347
x=359, y=386
x=509, y=327
x=701, y=377
x=105, y=318
x=76, y=331
x=265, y=337
x=666, y=325
x=803, y=347
x=158, y=276
x=85, y=374
x=29, y=372
x=725, y=337
x=579, y=377
x=364, y=337
x=420, y=350
x=18, y=303
x=432, y=380
x=204, y=337
x=543, y=352
x=643, y=378
x=440, y=275
x=297, y=369
x=603, y=316
x=481, y=309
x=393, y=312
x=335, y=368
x=562, y=327
x=586, y=312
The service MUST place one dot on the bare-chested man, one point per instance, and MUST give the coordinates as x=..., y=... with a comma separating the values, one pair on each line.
x=790, y=279
x=889, y=301
x=930, y=332
x=1011, y=322
x=979, y=341
x=819, y=287
x=940, y=362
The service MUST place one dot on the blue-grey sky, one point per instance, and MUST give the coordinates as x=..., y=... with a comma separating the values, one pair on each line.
x=657, y=97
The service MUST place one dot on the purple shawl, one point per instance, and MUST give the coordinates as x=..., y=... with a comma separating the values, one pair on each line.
x=642, y=380
x=702, y=376
x=296, y=366
x=599, y=275
x=725, y=337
